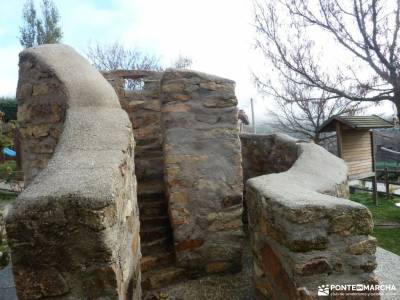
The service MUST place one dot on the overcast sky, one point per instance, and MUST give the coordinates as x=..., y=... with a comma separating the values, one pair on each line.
x=216, y=34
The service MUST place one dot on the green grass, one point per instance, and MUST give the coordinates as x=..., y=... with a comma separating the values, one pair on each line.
x=388, y=238
x=386, y=211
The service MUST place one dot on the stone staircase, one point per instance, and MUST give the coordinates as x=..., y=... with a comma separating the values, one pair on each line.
x=158, y=258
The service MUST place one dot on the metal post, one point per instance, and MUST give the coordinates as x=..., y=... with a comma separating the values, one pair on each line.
x=252, y=115
x=387, y=184
x=375, y=190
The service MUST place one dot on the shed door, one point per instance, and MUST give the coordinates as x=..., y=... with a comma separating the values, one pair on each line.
x=357, y=151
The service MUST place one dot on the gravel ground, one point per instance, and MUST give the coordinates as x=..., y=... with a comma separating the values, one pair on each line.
x=232, y=286
x=235, y=286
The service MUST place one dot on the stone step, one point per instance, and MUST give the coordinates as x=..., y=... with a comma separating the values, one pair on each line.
x=157, y=221
x=149, y=262
x=158, y=278
x=153, y=208
x=153, y=233
x=150, y=187
x=151, y=197
x=160, y=245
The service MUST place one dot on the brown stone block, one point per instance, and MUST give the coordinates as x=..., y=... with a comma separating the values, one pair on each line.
x=38, y=283
x=178, y=199
x=366, y=246
x=25, y=91
x=220, y=103
x=178, y=216
x=173, y=87
x=217, y=267
x=40, y=89
x=315, y=266
x=274, y=269
x=188, y=245
x=175, y=107
x=36, y=131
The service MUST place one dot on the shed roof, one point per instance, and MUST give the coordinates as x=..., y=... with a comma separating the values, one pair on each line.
x=355, y=122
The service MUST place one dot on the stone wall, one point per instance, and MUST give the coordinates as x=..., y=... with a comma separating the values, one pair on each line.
x=144, y=110
x=203, y=169
x=266, y=154
x=74, y=231
x=41, y=115
x=303, y=232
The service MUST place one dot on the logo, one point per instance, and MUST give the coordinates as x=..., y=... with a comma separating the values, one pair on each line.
x=323, y=290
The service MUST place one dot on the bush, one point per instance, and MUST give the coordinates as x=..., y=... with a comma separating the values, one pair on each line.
x=8, y=106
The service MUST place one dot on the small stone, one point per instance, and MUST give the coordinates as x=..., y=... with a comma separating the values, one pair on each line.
x=216, y=267
x=220, y=103
x=314, y=267
x=188, y=244
x=366, y=246
x=25, y=91
x=40, y=89
x=175, y=107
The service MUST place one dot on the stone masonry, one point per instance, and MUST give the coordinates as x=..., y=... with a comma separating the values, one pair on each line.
x=203, y=170
x=304, y=233
x=193, y=116
x=41, y=116
x=74, y=231
x=144, y=110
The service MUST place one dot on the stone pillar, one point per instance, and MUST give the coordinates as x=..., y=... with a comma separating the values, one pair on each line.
x=203, y=170
x=74, y=231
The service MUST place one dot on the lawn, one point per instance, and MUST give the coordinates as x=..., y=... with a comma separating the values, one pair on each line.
x=385, y=212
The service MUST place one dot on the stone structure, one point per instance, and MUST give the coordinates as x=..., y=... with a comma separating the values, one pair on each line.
x=144, y=110
x=203, y=170
x=195, y=115
x=74, y=231
x=303, y=232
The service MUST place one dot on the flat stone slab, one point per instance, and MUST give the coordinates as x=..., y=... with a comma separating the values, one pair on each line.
x=388, y=271
x=237, y=286
x=7, y=287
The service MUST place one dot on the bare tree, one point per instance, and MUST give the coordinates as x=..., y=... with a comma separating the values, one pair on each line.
x=182, y=62
x=292, y=32
x=300, y=111
x=117, y=57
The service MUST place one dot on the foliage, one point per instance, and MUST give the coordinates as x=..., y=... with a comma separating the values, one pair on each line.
x=37, y=31
x=294, y=35
x=9, y=107
x=388, y=238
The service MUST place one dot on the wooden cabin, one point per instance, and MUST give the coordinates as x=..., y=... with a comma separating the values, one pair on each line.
x=355, y=142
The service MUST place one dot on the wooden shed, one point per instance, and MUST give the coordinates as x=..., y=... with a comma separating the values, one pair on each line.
x=355, y=141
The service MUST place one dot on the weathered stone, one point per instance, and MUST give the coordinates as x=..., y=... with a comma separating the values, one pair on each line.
x=301, y=235
x=25, y=91
x=366, y=246
x=175, y=107
x=36, y=131
x=314, y=267
x=216, y=103
x=203, y=169
x=74, y=230
x=188, y=245
x=40, y=89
